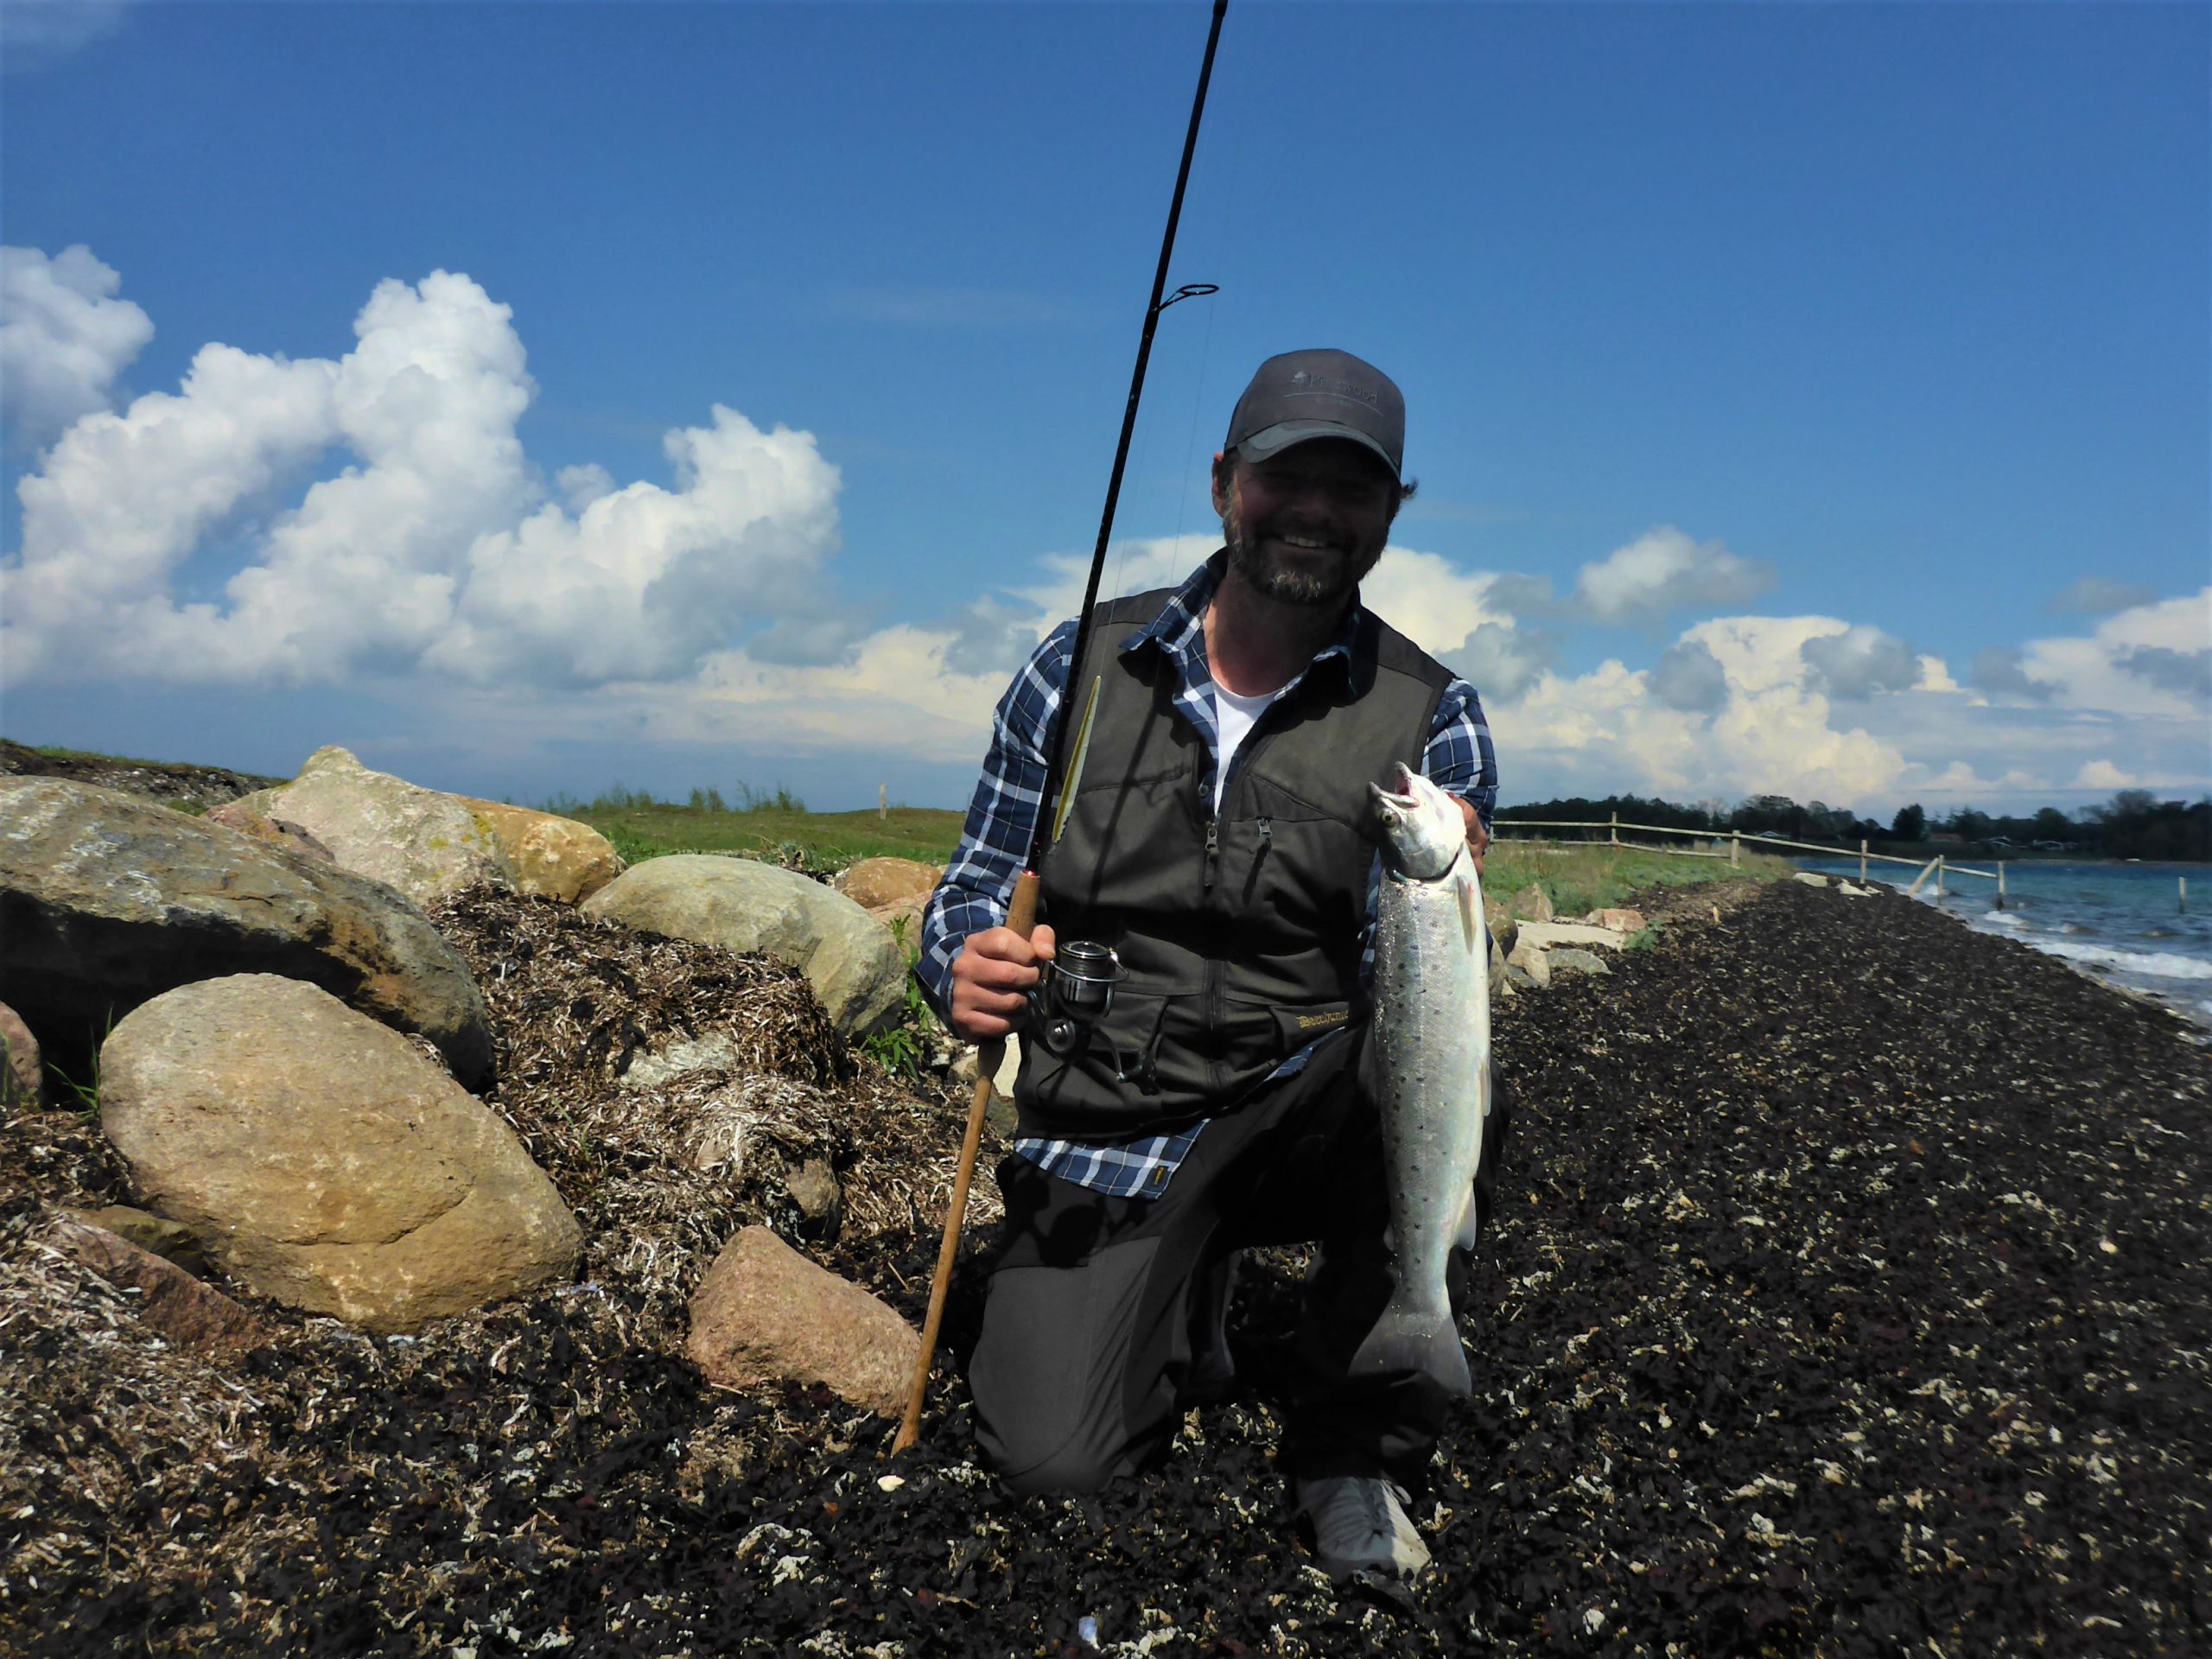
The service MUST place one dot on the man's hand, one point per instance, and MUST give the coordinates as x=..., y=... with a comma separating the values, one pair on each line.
x=991, y=981
x=1478, y=837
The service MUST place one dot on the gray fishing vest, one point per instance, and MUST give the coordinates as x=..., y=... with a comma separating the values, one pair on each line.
x=1239, y=935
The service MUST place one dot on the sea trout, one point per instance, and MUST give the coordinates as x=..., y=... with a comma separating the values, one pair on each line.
x=1427, y=1068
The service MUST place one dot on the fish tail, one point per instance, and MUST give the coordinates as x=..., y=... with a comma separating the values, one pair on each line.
x=1409, y=1339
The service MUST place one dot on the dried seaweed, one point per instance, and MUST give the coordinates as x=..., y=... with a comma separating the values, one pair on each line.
x=1851, y=1296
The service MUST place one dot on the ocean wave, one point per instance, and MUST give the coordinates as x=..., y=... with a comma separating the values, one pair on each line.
x=2005, y=919
x=2155, y=964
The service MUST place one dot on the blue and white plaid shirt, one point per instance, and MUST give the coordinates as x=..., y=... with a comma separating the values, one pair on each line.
x=978, y=884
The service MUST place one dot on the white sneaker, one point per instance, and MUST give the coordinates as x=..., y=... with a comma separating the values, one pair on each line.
x=1360, y=1525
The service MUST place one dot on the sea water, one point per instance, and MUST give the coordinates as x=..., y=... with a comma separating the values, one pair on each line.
x=2122, y=923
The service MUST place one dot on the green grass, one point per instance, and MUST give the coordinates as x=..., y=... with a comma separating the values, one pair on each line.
x=1579, y=879
x=776, y=827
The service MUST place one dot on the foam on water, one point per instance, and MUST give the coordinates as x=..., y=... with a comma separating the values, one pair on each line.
x=2156, y=964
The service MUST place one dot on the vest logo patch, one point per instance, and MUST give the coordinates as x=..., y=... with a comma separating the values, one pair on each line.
x=1313, y=1022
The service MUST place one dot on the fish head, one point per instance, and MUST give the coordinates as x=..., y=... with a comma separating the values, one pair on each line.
x=1423, y=828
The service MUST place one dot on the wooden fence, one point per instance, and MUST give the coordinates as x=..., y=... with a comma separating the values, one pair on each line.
x=1939, y=866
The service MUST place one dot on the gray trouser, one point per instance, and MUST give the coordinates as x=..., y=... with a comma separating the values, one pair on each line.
x=1088, y=1334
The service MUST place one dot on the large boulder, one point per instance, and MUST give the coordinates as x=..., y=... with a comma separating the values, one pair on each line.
x=765, y=1311
x=875, y=883
x=425, y=843
x=1531, y=903
x=107, y=899
x=242, y=815
x=553, y=857
x=850, y=959
x=323, y=1159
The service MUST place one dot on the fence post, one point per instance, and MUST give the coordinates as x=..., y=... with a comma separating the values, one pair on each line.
x=2184, y=895
x=882, y=802
x=1735, y=849
x=1939, y=875
x=1616, y=835
x=1862, y=863
x=2001, y=884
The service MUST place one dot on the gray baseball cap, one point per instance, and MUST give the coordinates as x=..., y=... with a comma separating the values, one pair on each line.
x=1319, y=394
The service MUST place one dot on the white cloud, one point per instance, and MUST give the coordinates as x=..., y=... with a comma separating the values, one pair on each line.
x=1689, y=678
x=1664, y=570
x=64, y=338
x=1859, y=661
x=435, y=546
x=1934, y=676
x=2134, y=662
x=2102, y=774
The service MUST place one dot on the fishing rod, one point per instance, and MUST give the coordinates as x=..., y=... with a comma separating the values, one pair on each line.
x=1053, y=801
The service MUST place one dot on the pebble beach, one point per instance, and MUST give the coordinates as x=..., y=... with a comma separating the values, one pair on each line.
x=1849, y=1296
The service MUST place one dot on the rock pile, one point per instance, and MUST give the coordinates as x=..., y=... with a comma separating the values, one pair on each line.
x=281, y=1047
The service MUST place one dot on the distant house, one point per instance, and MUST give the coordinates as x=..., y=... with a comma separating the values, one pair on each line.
x=1951, y=835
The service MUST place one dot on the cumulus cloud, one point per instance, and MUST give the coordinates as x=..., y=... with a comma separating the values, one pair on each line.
x=2187, y=673
x=1689, y=678
x=2099, y=596
x=1860, y=661
x=1998, y=671
x=37, y=33
x=2102, y=774
x=2136, y=662
x=1664, y=570
x=990, y=636
x=64, y=338
x=1503, y=662
x=435, y=546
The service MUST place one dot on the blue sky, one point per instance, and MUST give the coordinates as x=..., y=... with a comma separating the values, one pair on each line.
x=1806, y=398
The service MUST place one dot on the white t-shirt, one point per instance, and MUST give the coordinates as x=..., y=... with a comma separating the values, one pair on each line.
x=1235, y=715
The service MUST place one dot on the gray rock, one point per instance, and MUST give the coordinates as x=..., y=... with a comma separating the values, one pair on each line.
x=107, y=899
x=1531, y=903
x=765, y=1311
x=813, y=1187
x=23, y=1074
x=1533, y=961
x=649, y=1068
x=1810, y=878
x=1544, y=935
x=424, y=843
x=1567, y=960
x=323, y=1159
x=851, y=959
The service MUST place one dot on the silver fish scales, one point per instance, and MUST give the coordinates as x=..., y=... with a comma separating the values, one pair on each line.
x=1426, y=1069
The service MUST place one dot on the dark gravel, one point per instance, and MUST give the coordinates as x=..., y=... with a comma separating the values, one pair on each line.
x=1850, y=1296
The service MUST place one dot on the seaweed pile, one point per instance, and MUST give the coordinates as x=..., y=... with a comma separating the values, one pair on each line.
x=1849, y=1294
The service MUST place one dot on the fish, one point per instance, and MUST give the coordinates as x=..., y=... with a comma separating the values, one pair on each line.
x=1426, y=1069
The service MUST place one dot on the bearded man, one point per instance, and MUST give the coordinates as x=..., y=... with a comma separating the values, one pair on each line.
x=1221, y=840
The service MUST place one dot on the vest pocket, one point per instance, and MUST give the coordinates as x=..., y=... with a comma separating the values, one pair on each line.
x=1116, y=1069
x=1296, y=1027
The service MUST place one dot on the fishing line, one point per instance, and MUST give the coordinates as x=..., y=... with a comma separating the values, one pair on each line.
x=1205, y=362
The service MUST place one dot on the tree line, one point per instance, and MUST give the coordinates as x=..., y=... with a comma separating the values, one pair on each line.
x=2134, y=823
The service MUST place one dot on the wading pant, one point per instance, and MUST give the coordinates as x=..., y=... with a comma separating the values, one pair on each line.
x=1089, y=1325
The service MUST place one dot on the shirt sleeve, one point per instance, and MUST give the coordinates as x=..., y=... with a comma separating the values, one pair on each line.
x=978, y=884
x=1459, y=757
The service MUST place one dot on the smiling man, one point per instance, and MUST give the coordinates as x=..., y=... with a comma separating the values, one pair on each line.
x=1221, y=840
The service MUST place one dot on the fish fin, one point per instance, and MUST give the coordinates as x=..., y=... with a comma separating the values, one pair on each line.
x=1468, y=908
x=1406, y=1341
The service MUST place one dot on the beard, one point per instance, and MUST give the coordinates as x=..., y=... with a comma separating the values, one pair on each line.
x=1325, y=584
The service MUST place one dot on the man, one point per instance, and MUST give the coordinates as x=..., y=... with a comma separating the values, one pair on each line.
x=1221, y=840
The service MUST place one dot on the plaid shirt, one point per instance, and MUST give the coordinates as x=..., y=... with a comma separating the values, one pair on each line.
x=978, y=884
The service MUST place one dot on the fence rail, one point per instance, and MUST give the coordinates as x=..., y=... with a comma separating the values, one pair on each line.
x=1939, y=866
